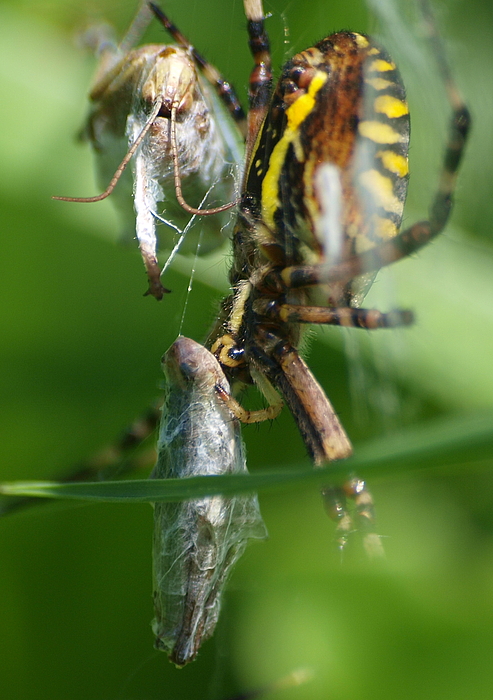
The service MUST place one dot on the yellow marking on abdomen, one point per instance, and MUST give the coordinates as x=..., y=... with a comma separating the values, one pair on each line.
x=379, y=133
x=361, y=41
x=394, y=162
x=382, y=190
x=392, y=107
x=296, y=114
x=381, y=66
x=378, y=83
x=384, y=228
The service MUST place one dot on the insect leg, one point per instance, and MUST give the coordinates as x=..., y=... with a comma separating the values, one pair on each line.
x=126, y=160
x=139, y=24
x=124, y=456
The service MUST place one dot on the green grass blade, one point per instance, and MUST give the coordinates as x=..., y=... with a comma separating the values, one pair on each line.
x=437, y=445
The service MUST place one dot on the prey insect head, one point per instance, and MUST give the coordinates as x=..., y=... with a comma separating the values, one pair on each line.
x=154, y=108
x=173, y=79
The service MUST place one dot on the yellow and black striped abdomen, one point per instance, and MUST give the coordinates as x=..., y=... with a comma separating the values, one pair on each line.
x=381, y=154
x=339, y=104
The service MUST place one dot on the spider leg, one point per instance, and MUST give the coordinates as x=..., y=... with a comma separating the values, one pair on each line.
x=260, y=84
x=322, y=432
x=362, y=519
x=335, y=504
x=342, y=316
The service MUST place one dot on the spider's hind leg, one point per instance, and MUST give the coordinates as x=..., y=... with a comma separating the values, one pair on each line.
x=361, y=519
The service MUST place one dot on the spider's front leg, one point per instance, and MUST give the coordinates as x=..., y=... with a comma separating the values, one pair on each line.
x=325, y=439
x=256, y=350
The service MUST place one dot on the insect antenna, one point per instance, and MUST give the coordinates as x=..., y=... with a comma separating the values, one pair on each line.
x=119, y=171
x=177, y=177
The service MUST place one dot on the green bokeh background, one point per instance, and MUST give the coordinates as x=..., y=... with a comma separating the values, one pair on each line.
x=80, y=359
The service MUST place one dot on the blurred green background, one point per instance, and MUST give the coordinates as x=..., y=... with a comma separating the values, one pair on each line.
x=80, y=359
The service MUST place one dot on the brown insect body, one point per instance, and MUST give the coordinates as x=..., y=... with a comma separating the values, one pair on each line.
x=156, y=98
x=196, y=542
